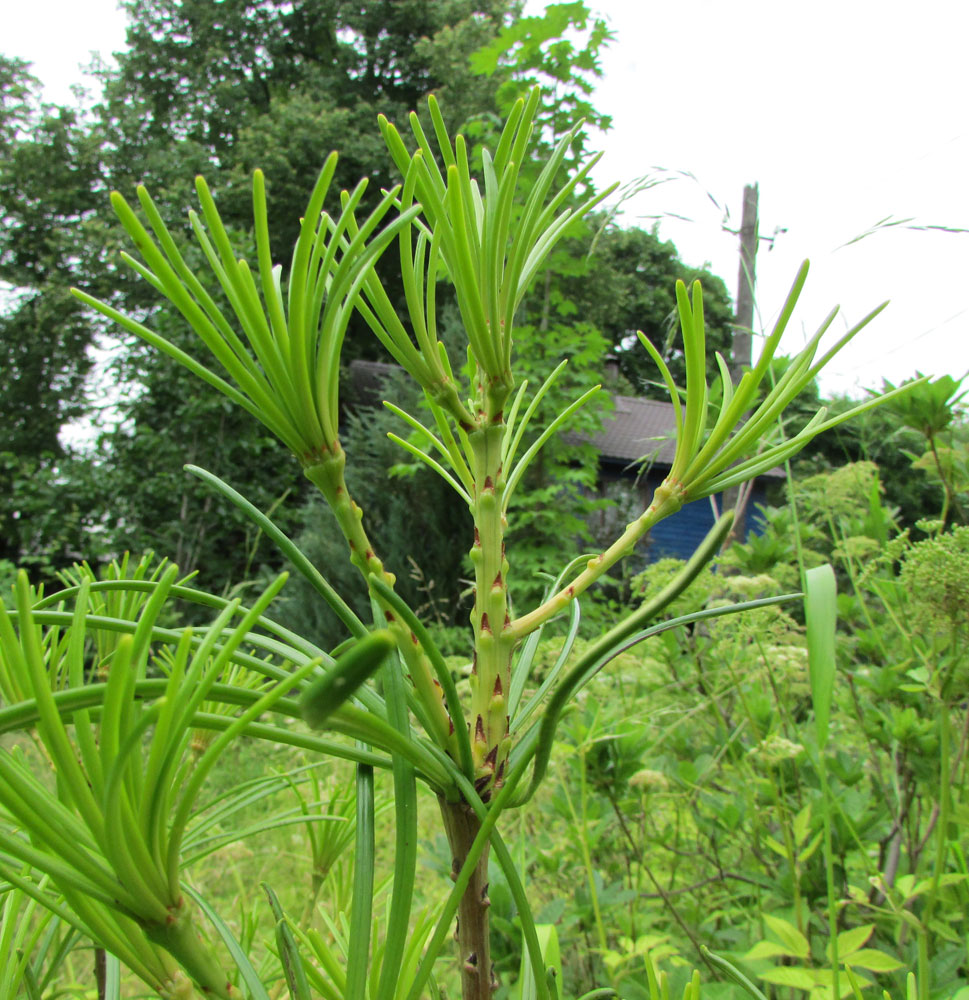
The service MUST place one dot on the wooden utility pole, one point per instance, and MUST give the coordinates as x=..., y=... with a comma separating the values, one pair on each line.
x=741, y=354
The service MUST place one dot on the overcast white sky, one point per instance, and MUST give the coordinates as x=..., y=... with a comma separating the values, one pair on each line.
x=844, y=111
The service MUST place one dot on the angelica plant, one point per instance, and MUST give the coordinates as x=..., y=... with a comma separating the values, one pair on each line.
x=271, y=342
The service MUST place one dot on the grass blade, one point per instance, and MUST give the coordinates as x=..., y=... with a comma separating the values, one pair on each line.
x=361, y=911
x=257, y=991
x=821, y=613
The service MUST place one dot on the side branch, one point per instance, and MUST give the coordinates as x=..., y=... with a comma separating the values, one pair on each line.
x=328, y=477
x=667, y=499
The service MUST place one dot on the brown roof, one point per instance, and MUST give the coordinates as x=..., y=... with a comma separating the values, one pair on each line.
x=643, y=429
x=638, y=428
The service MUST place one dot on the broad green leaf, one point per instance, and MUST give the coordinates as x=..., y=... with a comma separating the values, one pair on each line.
x=825, y=980
x=649, y=943
x=904, y=885
x=775, y=845
x=951, y=878
x=802, y=825
x=789, y=975
x=876, y=961
x=811, y=848
x=767, y=949
x=789, y=935
x=611, y=959
x=850, y=941
x=945, y=931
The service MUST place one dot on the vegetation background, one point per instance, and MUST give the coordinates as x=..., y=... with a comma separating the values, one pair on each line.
x=697, y=820
x=277, y=87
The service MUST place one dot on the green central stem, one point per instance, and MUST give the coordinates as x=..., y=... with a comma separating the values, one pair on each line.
x=493, y=641
x=488, y=723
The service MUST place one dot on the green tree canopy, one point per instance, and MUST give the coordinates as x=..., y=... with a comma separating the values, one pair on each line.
x=628, y=284
x=219, y=90
x=49, y=190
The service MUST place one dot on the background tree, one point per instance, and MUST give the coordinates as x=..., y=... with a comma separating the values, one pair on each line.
x=199, y=90
x=628, y=284
x=49, y=190
x=277, y=85
x=908, y=469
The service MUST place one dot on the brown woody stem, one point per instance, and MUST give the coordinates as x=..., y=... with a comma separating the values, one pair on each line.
x=472, y=934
